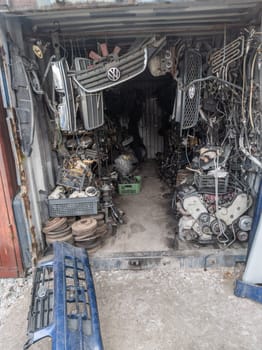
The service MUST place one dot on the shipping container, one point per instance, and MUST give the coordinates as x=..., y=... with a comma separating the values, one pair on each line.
x=99, y=93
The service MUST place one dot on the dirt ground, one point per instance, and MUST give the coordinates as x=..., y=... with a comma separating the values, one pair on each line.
x=160, y=309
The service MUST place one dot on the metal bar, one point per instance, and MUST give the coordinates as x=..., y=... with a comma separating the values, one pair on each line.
x=186, y=259
x=143, y=8
x=144, y=19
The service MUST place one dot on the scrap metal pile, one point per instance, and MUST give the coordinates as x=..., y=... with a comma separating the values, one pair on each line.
x=215, y=139
x=212, y=142
x=93, y=154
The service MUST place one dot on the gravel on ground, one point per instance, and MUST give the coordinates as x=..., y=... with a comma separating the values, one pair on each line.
x=158, y=309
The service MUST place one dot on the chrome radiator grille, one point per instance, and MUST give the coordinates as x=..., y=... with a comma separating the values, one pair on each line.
x=97, y=78
x=191, y=97
x=91, y=105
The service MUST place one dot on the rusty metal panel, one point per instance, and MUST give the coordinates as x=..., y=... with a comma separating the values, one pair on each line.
x=10, y=256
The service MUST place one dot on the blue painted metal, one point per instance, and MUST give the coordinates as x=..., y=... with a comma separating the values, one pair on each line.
x=23, y=232
x=72, y=318
x=244, y=289
x=256, y=218
x=250, y=291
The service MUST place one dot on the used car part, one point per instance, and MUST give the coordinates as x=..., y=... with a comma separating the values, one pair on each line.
x=58, y=229
x=88, y=234
x=237, y=208
x=201, y=219
x=24, y=101
x=63, y=305
x=73, y=178
x=64, y=89
x=163, y=63
x=187, y=104
x=113, y=70
x=223, y=58
x=91, y=104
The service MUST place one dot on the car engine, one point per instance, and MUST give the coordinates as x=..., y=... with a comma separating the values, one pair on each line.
x=214, y=144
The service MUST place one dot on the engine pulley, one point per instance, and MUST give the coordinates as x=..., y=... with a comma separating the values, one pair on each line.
x=218, y=226
x=245, y=223
x=242, y=236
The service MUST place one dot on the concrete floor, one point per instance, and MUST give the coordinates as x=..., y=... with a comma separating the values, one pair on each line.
x=164, y=308
x=160, y=309
x=149, y=223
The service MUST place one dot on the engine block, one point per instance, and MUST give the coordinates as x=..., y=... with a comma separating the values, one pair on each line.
x=205, y=220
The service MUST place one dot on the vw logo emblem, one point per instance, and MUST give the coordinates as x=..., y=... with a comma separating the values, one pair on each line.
x=192, y=91
x=113, y=74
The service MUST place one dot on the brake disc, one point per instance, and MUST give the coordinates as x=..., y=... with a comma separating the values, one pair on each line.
x=84, y=226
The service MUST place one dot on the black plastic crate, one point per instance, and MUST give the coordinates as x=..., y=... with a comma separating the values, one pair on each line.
x=70, y=178
x=207, y=183
x=73, y=206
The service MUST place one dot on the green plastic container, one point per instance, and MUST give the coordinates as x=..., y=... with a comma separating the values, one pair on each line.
x=130, y=188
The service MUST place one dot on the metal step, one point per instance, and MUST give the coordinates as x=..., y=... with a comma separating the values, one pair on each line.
x=179, y=259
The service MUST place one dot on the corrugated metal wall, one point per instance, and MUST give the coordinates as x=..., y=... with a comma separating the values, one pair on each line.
x=149, y=126
x=122, y=19
x=151, y=115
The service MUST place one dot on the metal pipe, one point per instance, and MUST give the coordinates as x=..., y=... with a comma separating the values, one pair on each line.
x=211, y=77
x=252, y=86
x=243, y=149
